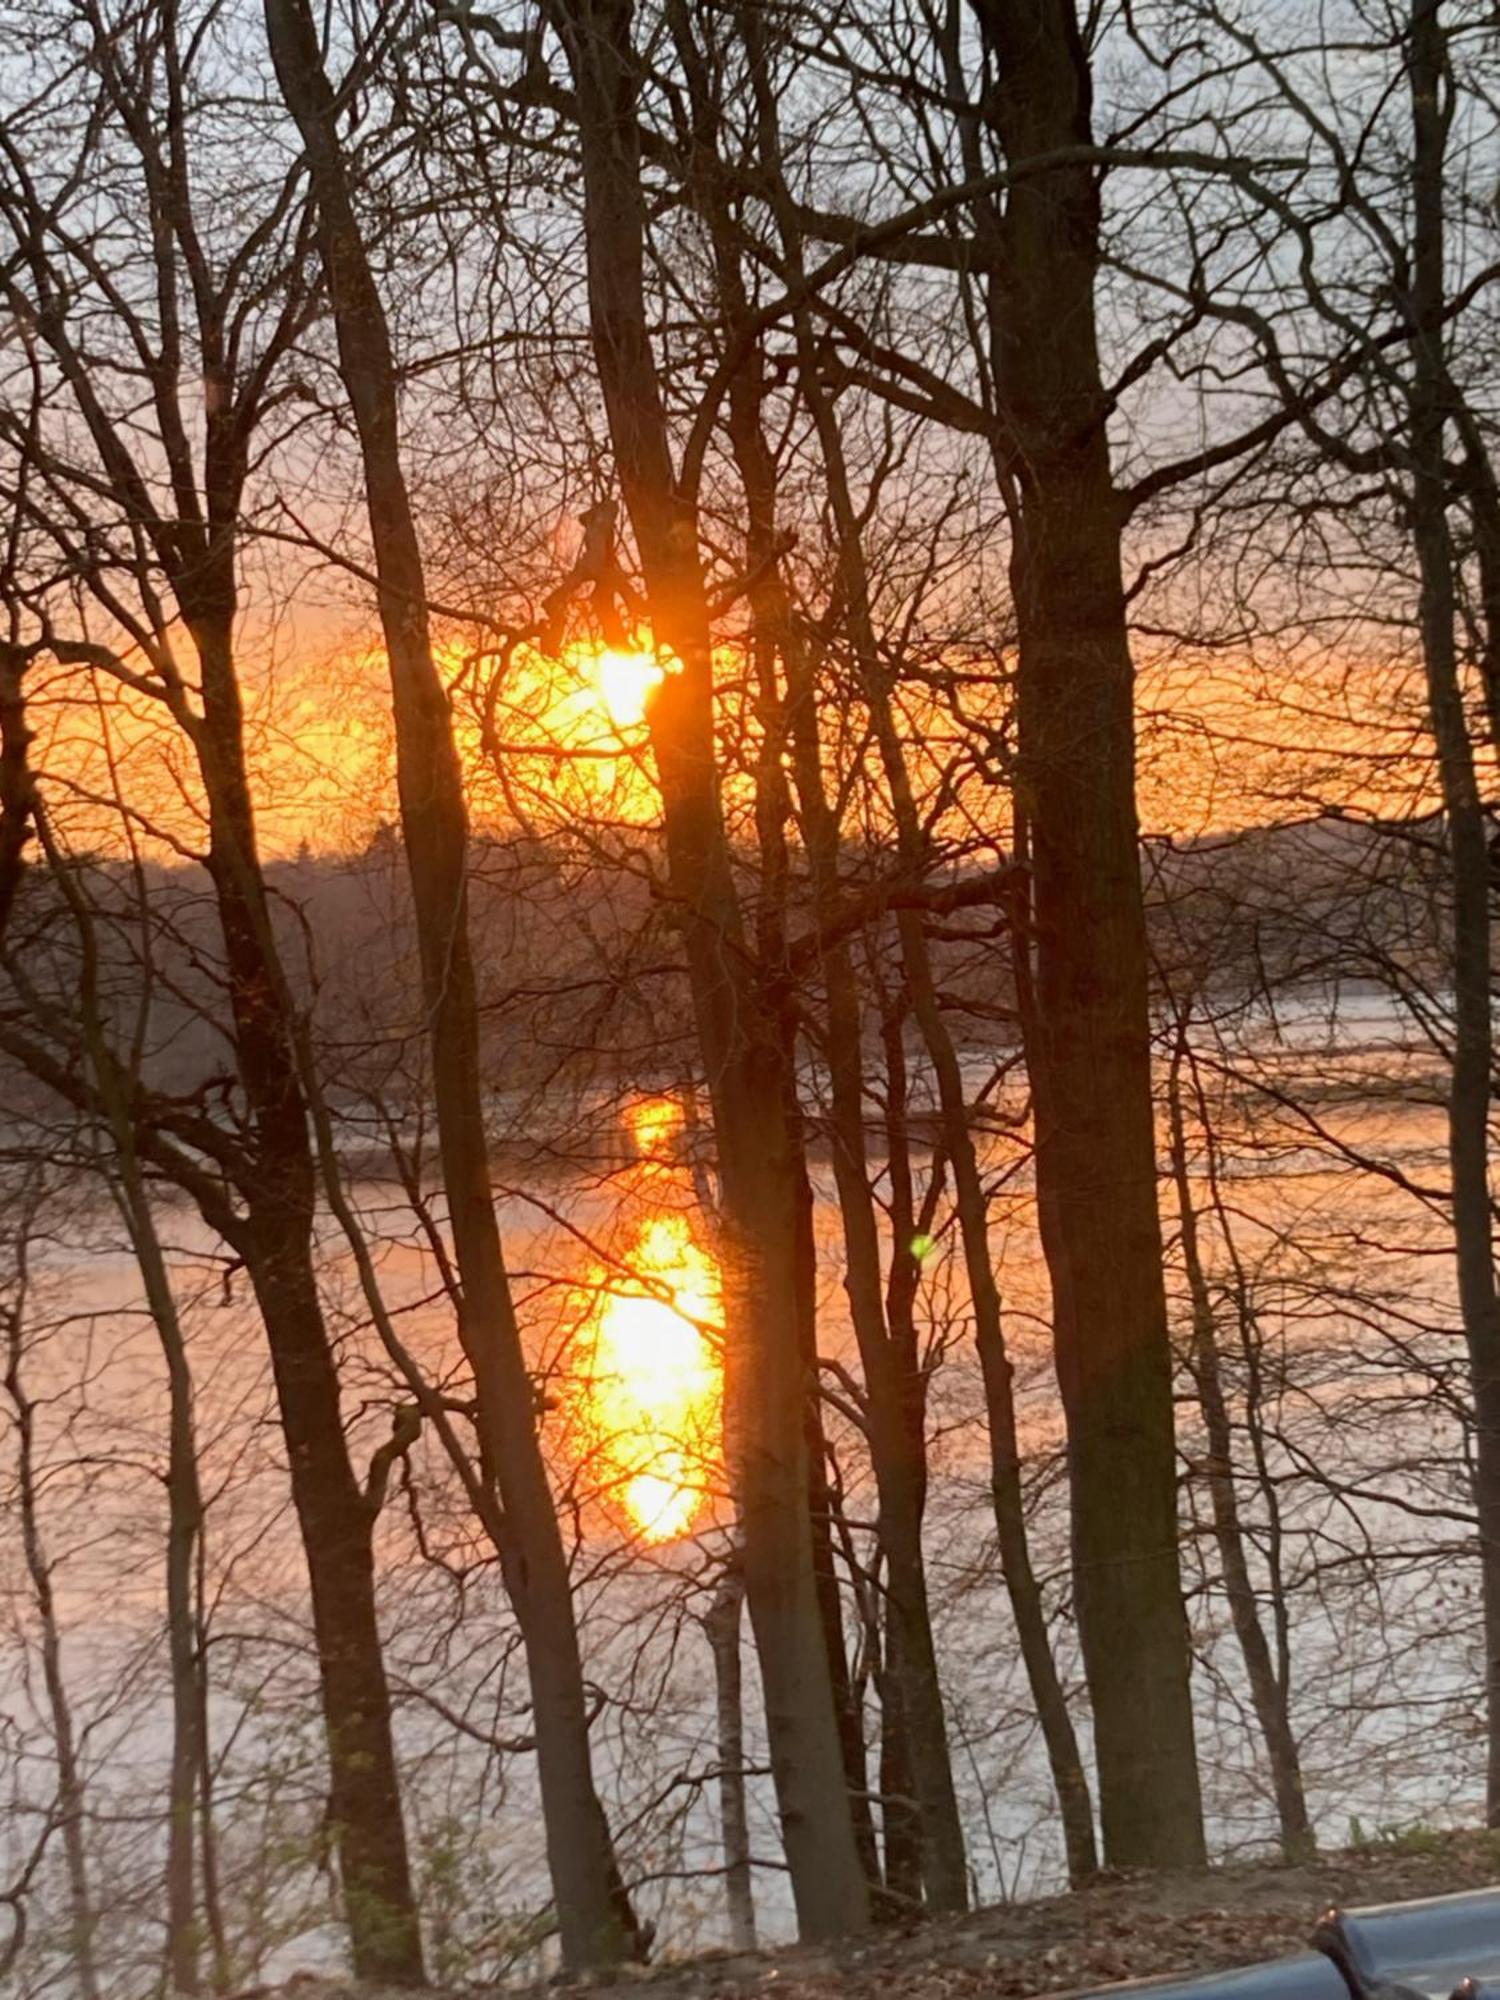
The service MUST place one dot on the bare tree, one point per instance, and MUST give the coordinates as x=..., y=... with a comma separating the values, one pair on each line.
x=174, y=570
x=71, y=1802
x=1266, y=1672
x=744, y=1054
x=594, y=1914
x=126, y=1178
x=1407, y=428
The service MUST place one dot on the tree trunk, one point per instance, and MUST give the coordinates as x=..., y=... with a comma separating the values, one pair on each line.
x=184, y=1526
x=364, y=1805
x=900, y=1815
x=893, y=1389
x=70, y=1788
x=944, y=1861
x=208, y=1840
x=127, y=1184
x=766, y=1371
x=275, y=1239
x=772, y=813
x=723, y=1628
x=1068, y=1779
x=195, y=548
x=848, y=1702
x=1268, y=1692
x=595, y=1921
x=1473, y=1047
x=777, y=631
x=1089, y=1052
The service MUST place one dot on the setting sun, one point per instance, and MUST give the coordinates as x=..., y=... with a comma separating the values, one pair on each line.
x=625, y=683
x=651, y=1387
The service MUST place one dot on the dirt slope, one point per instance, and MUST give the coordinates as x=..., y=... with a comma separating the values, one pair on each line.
x=1123, y=1928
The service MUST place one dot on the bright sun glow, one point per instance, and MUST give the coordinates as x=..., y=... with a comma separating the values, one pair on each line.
x=625, y=682
x=652, y=1389
x=655, y=1123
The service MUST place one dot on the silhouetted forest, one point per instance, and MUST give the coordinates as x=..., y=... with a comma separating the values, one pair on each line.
x=748, y=816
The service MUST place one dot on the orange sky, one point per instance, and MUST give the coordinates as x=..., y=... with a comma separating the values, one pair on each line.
x=1222, y=743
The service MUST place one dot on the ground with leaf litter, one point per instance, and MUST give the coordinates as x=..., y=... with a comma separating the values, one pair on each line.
x=1124, y=1927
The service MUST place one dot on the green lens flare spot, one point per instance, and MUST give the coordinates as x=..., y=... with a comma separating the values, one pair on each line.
x=921, y=1247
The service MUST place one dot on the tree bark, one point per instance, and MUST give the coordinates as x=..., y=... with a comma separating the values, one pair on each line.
x=897, y=1448
x=723, y=1628
x=900, y=1815
x=184, y=1526
x=1089, y=1049
x=944, y=1861
x=767, y=1382
x=1469, y=1086
x=275, y=1240
x=71, y=1799
x=595, y=1920
x=127, y=1183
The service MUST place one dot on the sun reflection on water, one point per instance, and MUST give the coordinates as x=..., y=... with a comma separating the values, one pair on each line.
x=655, y=1124
x=651, y=1383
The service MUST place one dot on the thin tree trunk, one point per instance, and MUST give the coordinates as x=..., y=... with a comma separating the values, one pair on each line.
x=1268, y=1692
x=944, y=1860
x=772, y=812
x=1473, y=1048
x=904, y=1849
x=208, y=1838
x=595, y=1920
x=127, y=1184
x=1023, y=1590
x=275, y=1240
x=1251, y=1347
x=776, y=637
x=893, y=1390
x=337, y=1523
x=70, y=1788
x=897, y=1457
x=723, y=1628
x=184, y=1526
x=17, y=786
x=767, y=1382
x=1088, y=1052
x=268, y=1161
x=847, y=1698
x=184, y=1495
